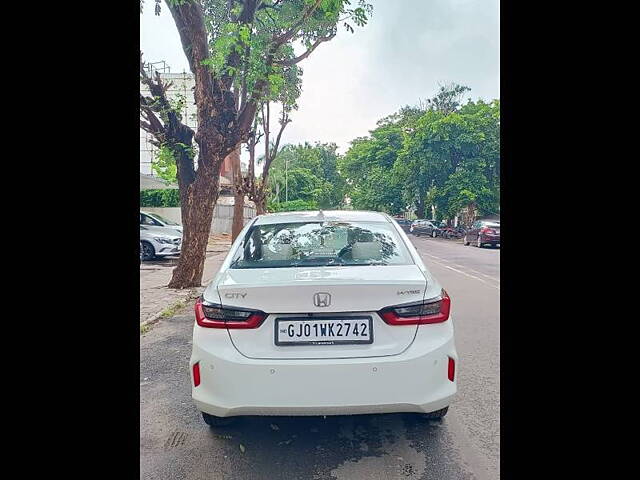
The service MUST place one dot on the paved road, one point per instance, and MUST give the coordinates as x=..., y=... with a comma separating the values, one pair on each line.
x=176, y=444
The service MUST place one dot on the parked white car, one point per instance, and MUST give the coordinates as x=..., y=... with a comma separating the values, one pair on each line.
x=159, y=243
x=157, y=223
x=322, y=313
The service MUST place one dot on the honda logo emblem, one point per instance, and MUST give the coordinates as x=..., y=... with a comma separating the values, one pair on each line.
x=322, y=299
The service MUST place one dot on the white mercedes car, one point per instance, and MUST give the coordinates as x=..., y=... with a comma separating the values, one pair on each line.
x=155, y=244
x=322, y=313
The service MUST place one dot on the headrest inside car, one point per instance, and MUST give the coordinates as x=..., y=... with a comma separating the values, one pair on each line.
x=366, y=251
x=284, y=252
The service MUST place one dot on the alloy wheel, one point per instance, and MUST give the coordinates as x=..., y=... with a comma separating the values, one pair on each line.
x=147, y=251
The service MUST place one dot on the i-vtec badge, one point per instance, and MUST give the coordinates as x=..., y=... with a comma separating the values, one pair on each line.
x=408, y=292
x=235, y=295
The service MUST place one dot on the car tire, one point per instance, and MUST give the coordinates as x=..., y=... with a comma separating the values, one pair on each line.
x=148, y=252
x=479, y=243
x=214, y=421
x=433, y=234
x=465, y=241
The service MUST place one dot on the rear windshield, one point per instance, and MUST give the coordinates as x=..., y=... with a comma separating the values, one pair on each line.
x=315, y=244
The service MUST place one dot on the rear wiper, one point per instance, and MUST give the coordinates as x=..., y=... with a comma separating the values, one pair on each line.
x=332, y=263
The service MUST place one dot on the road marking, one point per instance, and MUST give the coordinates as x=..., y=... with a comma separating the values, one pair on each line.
x=465, y=267
x=460, y=271
x=479, y=273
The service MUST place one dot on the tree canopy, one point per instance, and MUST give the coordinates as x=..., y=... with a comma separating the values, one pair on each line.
x=306, y=173
x=241, y=53
x=443, y=153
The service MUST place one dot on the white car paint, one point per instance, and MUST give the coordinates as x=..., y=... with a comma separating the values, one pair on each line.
x=244, y=372
x=156, y=223
x=164, y=243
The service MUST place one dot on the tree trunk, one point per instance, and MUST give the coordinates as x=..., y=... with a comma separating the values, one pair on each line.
x=197, y=214
x=469, y=214
x=420, y=209
x=261, y=208
x=238, y=202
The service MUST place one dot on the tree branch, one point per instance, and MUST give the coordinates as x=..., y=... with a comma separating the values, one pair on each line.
x=299, y=58
x=289, y=34
x=170, y=131
x=274, y=151
x=247, y=114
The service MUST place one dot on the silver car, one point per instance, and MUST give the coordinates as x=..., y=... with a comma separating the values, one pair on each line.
x=159, y=244
x=157, y=223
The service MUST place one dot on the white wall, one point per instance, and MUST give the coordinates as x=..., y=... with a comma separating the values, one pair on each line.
x=222, y=216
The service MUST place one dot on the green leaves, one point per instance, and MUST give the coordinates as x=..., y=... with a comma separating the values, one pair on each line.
x=244, y=34
x=249, y=50
x=307, y=173
x=165, y=164
x=169, y=197
x=443, y=154
x=292, y=206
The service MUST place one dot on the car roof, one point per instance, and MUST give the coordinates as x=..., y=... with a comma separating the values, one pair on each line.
x=322, y=216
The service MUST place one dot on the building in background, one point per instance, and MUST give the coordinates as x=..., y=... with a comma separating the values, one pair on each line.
x=182, y=86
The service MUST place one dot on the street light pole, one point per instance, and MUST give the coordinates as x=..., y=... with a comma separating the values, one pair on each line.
x=286, y=184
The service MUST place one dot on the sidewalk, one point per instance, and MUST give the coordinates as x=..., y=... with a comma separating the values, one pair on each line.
x=155, y=297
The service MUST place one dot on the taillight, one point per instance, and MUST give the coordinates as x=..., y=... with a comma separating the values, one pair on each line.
x=452, y=369
x=196, y=374
x=212, y=315
x=433, y=310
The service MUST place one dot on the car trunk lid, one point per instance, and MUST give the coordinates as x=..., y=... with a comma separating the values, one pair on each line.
x=346, y=291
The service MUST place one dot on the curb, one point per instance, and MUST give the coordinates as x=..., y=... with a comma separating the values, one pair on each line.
x=192, y=295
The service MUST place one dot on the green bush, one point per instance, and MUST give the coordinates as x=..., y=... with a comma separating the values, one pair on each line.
x=160, y=198
x=293, y=206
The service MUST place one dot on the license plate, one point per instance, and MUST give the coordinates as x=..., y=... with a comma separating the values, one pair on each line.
x=324, y=331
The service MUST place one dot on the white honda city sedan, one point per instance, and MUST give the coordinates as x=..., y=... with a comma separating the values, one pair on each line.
x=322, y=313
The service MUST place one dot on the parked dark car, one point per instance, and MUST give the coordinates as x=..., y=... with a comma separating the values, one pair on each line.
x=451, y=232
x=424, y=227
x=404, y=223
x=483, y=232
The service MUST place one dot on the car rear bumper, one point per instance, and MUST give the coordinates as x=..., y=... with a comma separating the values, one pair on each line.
x=413, y=381
x=490, y=238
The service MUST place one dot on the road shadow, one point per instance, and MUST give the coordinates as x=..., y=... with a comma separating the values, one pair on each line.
x=168, y=261
x=375, y=446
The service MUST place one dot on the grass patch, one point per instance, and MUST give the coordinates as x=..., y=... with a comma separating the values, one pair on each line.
x=168, y=312
x=172, y=309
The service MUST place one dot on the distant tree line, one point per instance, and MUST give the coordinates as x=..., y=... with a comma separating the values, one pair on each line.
x=442, y=153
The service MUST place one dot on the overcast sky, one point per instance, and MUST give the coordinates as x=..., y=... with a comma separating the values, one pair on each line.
x=406, y=50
